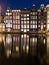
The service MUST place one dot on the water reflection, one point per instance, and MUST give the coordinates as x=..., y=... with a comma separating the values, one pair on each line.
x=16, y=45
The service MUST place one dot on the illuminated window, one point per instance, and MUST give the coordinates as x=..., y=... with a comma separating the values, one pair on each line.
x=27, y=14
x=24, y=15
x=41, y=27
x=47, y=12
x=21, y=18
x=21, y=29
x=47, y=16
x=24, y=18
x=48, y=21
x=27, y=18
x=47, y=25
x=24, y=30
x=24, y=26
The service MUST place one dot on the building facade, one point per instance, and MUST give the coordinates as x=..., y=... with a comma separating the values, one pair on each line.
x=8, y=20
x=33, y=19
x=42, y=19
x=25, y=29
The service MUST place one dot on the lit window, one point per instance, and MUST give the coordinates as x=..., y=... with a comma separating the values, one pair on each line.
x=27, y=18
x=41, y=27
x=44, y=25
x=18, y=17
x=33, y=17
x=8, y=25
x=24, y=22
x=47, y=16
x=21, y=18
x=24, y=26
x=13, y=26
x=48, y=21
x=21, y=22
x=44, y=41
x=34, y=13
x=24, y=15
x=47, y=12
x=24, y=18
x=36, y=26
x=33, y=22
x=24, y=30
x=21, y=26
x=27, y=29
x=27, y=26
x=18, y=26
x=22, y=36
x=33, y=26
x=21, y=29
x=36, y=17
x=27, y=14
x=27, y=22
x=47, y=25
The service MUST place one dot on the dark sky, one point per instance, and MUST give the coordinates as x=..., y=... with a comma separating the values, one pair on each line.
x=20, y=4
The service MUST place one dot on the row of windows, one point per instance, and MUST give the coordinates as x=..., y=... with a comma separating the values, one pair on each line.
x=16, y=26
x=24, y=18
x=24, y=26
x=24, y=15
x=33, y=17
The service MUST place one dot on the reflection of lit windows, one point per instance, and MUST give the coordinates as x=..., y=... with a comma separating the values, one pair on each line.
x=8, y=40
x=8, y=52
x=27, y=48
x=44, y=41
x=22, y=36
x=17, y=48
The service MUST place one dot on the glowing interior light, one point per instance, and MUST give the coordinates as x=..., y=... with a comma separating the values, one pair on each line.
x=44, y=41
x=33, y=39
x=27, y=48
x=47, y=25
x=17, y=48
x=8, y=52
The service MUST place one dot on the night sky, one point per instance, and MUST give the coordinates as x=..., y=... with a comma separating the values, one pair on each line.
x=20, y=4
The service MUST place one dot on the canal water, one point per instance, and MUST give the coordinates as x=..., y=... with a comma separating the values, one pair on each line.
x=24, y=48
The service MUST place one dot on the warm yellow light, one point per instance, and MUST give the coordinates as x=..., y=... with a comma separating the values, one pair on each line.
x=1, y=38
x=27, y=48
x=17, y=48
